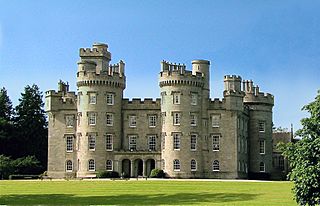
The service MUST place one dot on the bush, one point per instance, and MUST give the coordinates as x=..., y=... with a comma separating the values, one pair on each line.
x=108, y=174
x=157, y=173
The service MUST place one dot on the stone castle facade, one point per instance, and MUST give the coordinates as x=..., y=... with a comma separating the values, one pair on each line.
x=185, y=132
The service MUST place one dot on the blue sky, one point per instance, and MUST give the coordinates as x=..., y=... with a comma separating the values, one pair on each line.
x=274, y=43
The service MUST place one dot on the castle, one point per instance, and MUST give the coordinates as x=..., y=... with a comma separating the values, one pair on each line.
x=185, y=132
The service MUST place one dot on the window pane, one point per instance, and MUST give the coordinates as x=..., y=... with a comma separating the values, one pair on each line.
x=110, y=98
x=109, y=119
x=92, y=98
x=176, y=165
x=152, y=143
x=92, y=142
x=69, y=144
x=132, y=143
x=132, y=121
x=193, y=142
x=176, y=141
x=152, y=121
x=215, y=120
x=109, y=142
x=215, y=142
x=109, y=165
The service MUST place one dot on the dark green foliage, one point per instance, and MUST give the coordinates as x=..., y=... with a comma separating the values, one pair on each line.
x=31, y=125
x=157, y=173
x=304, y=157
x=6, y=109
x=108, y=174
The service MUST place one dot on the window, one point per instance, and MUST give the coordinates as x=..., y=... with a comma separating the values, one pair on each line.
x=92, y=118
x=262, y=167
x=91, y=165
x=152, y=142
x=152, y=120
x=176, y=165
x=215, y=165
x=109, y=166
x=194, y=99
x=92, y=98
x=69, y=143
x=176, y=98
x=110, y=99
x=69, y=120
x=69, y=166
x=92, y=142
x=215, y=142
x=132, y=121
x=261, y=126
x=262, y=146
x=109, y=142
x=193, y=142
x=132, y=142
x=176, y=118
x=109, y=119
x=176, y=141
x=193, y=120
x=215, y=120
x=193, y=165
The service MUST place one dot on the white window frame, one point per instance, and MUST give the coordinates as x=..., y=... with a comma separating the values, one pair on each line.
x=152, y=142
x=193, y=142
x=215, y=118
x=92, y=142
x=176, y=118
x=152, y=120
x=262, y=167
x=92, y=98
x=132, y=121
x=193, y=120
x=109, y=119
x=92, y=119
x=69, y=143
x=262, y=146
x=91, y=165
x=176, y=141
x=262, y=126
x=216, y=166
x=176, y=165
x=69, y=167
x=176, y=98
x=109, y=142
x=109, y=165
x=110, y=98
x=194, y=98
x=215, y=142
x=193, y=165
x=69, y=121
x=132, y=142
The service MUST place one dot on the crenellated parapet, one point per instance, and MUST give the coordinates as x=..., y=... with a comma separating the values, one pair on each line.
x=141, y=104
x=97, y=50
x=217, y=103
x=254, y=96
x=176, y=74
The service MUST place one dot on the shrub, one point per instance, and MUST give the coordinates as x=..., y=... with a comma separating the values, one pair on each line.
x=157, y=173
x=108, y=174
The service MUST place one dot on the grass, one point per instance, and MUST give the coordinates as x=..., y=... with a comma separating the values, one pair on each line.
x=142, y=192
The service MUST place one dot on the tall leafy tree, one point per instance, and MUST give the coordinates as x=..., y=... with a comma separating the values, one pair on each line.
x=32, y=124
x=6, y=124
x=304, y=157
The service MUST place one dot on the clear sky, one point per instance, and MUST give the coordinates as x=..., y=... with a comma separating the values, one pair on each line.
x=274, y=43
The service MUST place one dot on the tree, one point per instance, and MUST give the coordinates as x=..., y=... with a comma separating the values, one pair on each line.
x=6, y=109
x=31, y=124
x=304, y=157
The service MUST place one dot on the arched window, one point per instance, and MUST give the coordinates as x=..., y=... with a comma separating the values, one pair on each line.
x=215, y=165
x=109, y=165
x=193, y=165
x=91, y=165
x=69, y=166
x=176, y=165
x=262, y=167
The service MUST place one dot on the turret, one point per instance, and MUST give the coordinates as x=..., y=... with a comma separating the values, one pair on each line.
x=232, y=92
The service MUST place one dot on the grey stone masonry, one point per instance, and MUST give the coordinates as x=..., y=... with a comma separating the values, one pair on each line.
x=184, y=132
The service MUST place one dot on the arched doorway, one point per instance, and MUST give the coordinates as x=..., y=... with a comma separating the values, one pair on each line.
x=126, y=168
x=150, y=164
x=138, y=167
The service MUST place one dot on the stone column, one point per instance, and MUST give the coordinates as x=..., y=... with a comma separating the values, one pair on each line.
x=132, y=168
x=144, y=168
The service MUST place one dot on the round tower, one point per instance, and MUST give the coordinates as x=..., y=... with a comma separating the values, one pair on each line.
x=100, y=92
x=181, y=108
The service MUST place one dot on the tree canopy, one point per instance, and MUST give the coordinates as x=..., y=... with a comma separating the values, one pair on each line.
x=304, y=157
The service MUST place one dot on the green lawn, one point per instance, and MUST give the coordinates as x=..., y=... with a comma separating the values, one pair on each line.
x=143, y=192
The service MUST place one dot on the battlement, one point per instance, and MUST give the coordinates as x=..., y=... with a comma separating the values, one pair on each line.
x=97, y=50
x=253, y=94
x=232, y=78
x=216, y=103
x=141, y=104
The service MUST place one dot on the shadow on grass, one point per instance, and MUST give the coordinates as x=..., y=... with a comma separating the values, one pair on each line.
x=152, y=199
